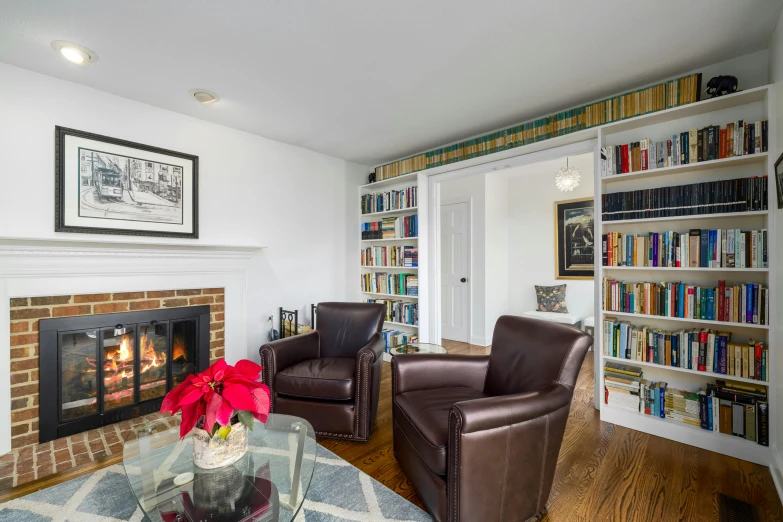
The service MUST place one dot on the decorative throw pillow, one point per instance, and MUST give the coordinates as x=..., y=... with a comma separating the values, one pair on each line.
x=551, y=299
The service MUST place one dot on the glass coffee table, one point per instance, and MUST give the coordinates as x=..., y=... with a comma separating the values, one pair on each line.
x=268, y=483
x=417, y=348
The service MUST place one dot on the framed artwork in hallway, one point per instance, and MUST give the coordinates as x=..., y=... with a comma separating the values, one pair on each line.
x=106, y=185
x=574, y=239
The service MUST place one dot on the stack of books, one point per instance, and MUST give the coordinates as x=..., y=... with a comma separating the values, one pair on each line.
x=391, y=228
x=390, y=200
x=710, y=143
x=394, y=338
x=709, y=197
x=728, y=407
x=372, y=230
x=702, y=248
x=622, y=386
x=384, y=283
x=702, y=350
x=740, y=303
x=399, y=311
x=661, y=96
x=402, y=256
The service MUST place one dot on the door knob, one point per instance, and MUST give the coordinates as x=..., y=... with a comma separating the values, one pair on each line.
x=463, y=280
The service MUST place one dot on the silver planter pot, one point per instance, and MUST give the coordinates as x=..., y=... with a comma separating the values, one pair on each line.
x=214, y=452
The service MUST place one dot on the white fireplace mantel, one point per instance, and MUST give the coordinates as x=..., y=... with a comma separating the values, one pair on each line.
x=31, y=267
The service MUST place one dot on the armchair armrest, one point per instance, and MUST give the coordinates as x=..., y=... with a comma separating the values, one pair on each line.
x=373, y=349
x=279, y=355
x=431, y=371
x=368, y=383
x=503, y=410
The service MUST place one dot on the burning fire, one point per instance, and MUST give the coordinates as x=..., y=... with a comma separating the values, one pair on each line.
x=178, y=350
x=149, y=355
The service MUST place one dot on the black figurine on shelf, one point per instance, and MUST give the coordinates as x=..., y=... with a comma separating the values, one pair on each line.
x=371, y=177
x=721, y=85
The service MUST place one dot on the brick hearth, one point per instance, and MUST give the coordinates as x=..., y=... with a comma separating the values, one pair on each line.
x=25, y=314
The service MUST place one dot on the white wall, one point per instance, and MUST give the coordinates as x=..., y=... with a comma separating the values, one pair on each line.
x=299, y=203
x=531, y=240
x=776, y=78
x=496, y=256
x=471, y=189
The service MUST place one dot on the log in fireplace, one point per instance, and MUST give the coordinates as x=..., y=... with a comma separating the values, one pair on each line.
x=112, y=367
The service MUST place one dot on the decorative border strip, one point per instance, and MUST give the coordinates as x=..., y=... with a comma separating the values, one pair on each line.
x=659, y=97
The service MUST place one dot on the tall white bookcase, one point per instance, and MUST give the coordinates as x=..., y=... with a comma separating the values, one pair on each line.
x=751, y=105
x=398, y=183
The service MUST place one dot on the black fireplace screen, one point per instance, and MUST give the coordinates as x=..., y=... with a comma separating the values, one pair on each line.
x=113, y=367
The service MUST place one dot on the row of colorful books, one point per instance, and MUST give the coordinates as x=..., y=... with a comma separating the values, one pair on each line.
x=404, y=256
x=729, y=407
x=394, y=338
x=661, y=96
x=746, y=303
x=738, y=138
x=697, y=248
x=702, y=350
x=391, y=228
x=399, y=311
x=709, y=197
x=390, y=200
x=385, y=283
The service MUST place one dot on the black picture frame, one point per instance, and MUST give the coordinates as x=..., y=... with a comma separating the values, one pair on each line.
x=575, y=239
x=177, y=193
x=779, y=181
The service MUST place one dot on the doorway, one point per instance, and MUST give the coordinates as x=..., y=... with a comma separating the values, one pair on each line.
x=455, y=271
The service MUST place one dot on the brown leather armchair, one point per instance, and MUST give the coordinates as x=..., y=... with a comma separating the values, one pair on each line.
x=479, y=435
x=331, y=376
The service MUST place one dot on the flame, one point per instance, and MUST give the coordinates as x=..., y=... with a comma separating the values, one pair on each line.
x=149, y=354
x=178, y=350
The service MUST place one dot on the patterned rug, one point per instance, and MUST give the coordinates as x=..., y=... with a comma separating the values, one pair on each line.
x=339, y=492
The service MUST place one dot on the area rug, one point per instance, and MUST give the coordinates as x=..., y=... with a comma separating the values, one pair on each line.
x=339, y=492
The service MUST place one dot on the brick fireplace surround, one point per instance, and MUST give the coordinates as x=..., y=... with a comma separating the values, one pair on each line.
x=29, y=460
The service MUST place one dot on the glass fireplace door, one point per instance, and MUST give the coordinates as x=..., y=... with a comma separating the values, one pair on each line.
x=78, y=374
x=153, y=354
x=119, y=367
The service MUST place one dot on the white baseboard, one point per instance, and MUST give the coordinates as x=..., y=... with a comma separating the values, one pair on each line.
x=776, y=470
x=480, y=341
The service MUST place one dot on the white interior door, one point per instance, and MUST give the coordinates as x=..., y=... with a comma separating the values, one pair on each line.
x=455, y=300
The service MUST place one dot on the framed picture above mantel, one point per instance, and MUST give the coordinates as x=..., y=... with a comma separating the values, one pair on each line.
x=574, y=239
x=105, y=185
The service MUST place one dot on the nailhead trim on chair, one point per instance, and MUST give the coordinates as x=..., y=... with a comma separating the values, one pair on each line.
x=455, y=427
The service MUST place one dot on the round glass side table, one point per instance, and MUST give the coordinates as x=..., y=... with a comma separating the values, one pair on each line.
x=417, y=348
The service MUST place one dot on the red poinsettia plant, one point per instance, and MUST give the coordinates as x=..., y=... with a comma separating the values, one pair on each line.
x=222, y=395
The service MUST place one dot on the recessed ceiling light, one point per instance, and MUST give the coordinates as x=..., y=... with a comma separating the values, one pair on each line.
x=74, y=53
x=204, y=96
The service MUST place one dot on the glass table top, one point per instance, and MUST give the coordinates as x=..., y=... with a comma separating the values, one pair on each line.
x=418, y=348
x=268, y=483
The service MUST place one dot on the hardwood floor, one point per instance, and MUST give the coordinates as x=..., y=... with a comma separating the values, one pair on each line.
x=604, y=472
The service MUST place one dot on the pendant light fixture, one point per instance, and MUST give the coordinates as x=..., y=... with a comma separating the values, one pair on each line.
x=567, y=178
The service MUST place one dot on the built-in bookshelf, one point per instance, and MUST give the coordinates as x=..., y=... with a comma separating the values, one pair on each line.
x=388, y=257
x=647, y=230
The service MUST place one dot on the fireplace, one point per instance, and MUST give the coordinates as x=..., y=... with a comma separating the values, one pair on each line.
x=107, y=368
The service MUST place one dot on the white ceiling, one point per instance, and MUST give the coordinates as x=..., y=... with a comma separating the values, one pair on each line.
x=372, y=80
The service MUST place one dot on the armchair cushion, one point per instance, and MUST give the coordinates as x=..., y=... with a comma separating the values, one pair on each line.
x=329, y=378
x=423, y=416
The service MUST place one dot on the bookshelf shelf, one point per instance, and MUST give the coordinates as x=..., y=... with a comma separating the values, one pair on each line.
x=684, y=269
x=392, y=267
x=406, y=178
x=409, y=210
x=690, y=167
x=723, y=324
x=756, y=95
x=687, y=434
x=393, y=239
x=709, y=375
x=392, y=295
x=752, y=105
x=401, y=324
x=730, y=215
